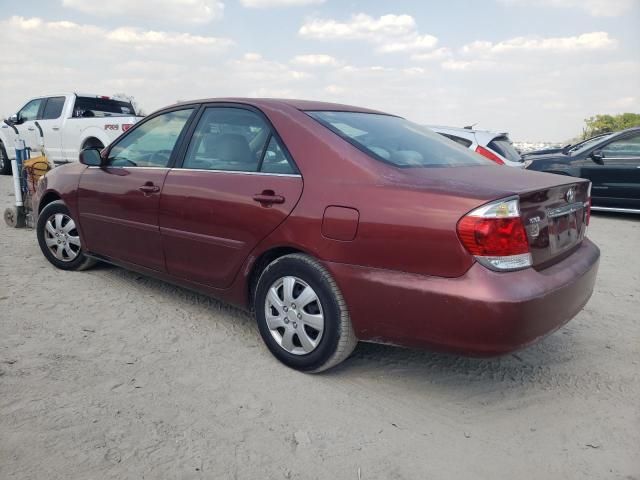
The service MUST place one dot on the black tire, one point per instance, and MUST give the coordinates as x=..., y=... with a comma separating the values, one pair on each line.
x=338, y=338
x=5, y=163
x=81, y=261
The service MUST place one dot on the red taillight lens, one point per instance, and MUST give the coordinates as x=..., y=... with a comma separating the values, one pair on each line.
x=495, y=235
x=489, y=154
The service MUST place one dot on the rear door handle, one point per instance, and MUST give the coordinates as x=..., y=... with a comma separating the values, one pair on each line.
x=268, y=197
x=55, y=128
x=149, y=188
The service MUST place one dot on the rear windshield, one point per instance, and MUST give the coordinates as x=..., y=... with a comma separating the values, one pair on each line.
x=503, y=146
x=101, y=107
x=397, y=141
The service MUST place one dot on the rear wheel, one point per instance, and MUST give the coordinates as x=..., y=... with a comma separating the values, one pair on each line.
x=59, y=238
x=5, y=163
x=302, y=315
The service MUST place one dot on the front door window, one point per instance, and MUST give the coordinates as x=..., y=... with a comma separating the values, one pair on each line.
x=150, y=144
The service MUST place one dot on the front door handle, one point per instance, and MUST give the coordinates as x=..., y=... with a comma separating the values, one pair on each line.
x=55, y=128
x=149, y=188
x=268, y=197
x=31, y=129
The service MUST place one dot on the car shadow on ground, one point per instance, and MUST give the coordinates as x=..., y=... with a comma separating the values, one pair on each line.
x=535, y=364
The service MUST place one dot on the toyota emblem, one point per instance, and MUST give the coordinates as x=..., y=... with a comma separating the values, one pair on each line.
x=570, y=195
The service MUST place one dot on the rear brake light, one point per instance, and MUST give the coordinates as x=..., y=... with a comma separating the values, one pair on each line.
x=489, y=154
x=126, y=126
x=494, y=234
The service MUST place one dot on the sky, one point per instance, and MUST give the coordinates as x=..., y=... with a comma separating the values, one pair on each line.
x=533, y=68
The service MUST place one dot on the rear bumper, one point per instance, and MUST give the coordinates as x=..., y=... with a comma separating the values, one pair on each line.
x=482, y=313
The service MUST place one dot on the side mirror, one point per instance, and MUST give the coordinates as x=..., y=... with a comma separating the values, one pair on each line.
x=15, y=119
x=598, y=157
x=91, y=157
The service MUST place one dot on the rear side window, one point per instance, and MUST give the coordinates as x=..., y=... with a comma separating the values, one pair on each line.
x=101, y=107
x=53, y=108
x=462, y=141
x=503, y=146
x=397, y=141
x=235, y=140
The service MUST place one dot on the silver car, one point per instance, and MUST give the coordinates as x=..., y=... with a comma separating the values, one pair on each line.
x=496, y=146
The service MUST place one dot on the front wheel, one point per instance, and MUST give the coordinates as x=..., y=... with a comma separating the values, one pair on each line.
x=59, y=238
x=301, y=314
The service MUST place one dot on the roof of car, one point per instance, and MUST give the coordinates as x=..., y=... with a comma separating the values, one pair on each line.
x=305, y=105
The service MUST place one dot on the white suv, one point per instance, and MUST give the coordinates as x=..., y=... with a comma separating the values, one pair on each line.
x=497, y=147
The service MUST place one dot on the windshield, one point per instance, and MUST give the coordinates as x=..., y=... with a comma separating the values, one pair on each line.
x=589, y=143
x=101, y=107
x=504, y=147
x=397, y=141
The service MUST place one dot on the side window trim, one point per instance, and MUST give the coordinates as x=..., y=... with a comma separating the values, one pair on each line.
x=273, y=132
x=179, y=142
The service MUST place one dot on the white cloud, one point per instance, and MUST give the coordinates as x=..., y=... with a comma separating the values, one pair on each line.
x=180, y=11
x=586, y=41
x=390, y=33
x=315, y=60
x=278, y=3
x=438, y=54
x=596, y=8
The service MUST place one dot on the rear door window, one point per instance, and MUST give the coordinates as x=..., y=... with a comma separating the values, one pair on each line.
x=504, y=147
x=53, y=108
x=235, y=140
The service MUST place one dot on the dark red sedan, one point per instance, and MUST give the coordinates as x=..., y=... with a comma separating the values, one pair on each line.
x=333, y=224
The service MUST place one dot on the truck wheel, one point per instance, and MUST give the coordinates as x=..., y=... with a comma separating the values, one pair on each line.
x=5, y=163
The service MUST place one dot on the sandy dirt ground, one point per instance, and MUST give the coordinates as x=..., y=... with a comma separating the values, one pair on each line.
x=108, y=374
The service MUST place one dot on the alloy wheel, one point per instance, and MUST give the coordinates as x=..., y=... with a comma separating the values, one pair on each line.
x=294, y=315
x=61, y=237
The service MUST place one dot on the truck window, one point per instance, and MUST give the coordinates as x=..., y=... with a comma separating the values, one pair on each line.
x=30, y=110
x=101, y=107
x=53, y=108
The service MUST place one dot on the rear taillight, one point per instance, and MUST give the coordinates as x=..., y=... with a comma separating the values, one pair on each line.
x=126, y=126
x=489, y=154
x=494, y=234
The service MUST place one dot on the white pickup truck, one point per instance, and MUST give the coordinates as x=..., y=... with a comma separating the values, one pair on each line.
x=62, y=125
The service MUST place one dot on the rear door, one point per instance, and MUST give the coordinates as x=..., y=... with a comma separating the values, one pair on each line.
x=118, y=203
x=616, y=181
x=237, y=183
x=50, y=123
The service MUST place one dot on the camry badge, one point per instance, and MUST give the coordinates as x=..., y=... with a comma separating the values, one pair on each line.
x=570, y=195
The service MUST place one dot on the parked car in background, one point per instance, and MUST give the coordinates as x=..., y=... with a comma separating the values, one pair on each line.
x=64, y=124
x=398, y=236
x=565, y=149
x=611, y=162
x=495, y=146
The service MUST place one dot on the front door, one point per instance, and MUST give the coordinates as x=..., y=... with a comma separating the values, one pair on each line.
x=616, y=182
x=118, y=203
x=27, y=116
x=236, y=185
